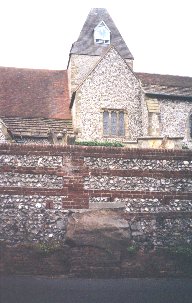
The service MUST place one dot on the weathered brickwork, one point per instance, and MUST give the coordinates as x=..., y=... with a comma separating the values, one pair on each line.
x=39, y=184
x=42, y=170
x=47, y=228
x=101, y=91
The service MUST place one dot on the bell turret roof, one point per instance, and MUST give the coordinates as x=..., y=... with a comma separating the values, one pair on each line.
x=85, y=44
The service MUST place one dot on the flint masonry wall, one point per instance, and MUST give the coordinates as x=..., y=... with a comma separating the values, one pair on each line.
x=40, y=185
x=37, y=185
x=80, y=66
x=100, y=91
x=175, y=119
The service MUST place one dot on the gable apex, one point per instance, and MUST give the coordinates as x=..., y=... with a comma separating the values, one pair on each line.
x=107, y=51
x=85, y=44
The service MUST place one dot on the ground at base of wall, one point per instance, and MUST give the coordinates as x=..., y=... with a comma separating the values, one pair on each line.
x=92, y=262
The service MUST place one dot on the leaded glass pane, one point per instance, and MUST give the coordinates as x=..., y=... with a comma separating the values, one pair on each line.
x=106, y=123
x=121, y=129
x=113, y=123
x=102, y=33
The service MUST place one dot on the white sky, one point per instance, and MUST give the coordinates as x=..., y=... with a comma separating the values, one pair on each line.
x=39, y=33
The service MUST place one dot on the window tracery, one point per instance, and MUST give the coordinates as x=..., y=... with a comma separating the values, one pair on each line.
x=113, y=123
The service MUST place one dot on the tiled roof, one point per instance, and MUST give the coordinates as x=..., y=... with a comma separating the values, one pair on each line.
x=36, y=127
x=31, y=93
x=166, y=84
x=85, y=43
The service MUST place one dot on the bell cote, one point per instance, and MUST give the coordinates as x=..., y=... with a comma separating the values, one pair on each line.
x=102, y=34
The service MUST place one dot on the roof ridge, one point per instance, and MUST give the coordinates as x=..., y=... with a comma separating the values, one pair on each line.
x=32, y=69
x=163, y=75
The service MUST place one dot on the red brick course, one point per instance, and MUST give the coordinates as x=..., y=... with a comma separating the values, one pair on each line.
x=74, y=170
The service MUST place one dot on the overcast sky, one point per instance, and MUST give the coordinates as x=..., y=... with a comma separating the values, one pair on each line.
x=39, y=33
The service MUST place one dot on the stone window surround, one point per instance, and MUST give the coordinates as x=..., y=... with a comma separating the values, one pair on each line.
x=125, y=122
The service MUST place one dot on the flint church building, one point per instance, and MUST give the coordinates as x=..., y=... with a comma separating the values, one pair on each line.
x=98, y=98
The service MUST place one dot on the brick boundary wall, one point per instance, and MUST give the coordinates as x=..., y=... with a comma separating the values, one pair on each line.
x=73, y=171
x=41, y=186
x=43, y=182
x=70, y=170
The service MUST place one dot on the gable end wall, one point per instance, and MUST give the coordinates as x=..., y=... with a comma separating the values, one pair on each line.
x=111, y=85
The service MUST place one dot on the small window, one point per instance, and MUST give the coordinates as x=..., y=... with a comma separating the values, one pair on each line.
x=113, y=123
x=102, y=34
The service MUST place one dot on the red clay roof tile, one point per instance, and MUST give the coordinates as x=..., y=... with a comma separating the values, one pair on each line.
x=30, y=93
